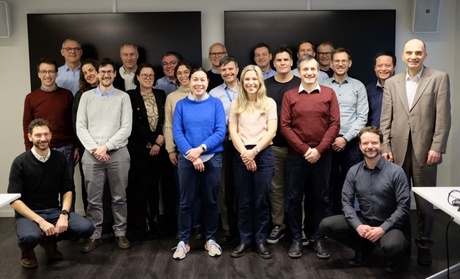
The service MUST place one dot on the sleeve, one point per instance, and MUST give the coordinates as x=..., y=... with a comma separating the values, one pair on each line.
x=218, y=135
x=362, y=110
x=82, y=124
x=179, y=130
x=402, y=196
x=386, y=117
x=126, y=124
x=16, y=178
x=443, y=117
x=167, y=127
x=348, y=198
x=140, y=132
x=27, y=117
x=333, y=124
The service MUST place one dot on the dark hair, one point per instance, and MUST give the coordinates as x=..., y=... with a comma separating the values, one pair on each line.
x=326, y=43
x=227, y=59
x=281, y=49
x=199, y=69
x=371, y=129
x=106, y=61
x=262, y=44
x=84, y=85
x=340, y=50
x=138, y=72
x=39, y=122
x=47, y=61
x=386, y=53
x=169, y=53
x=187, y=65
x=304, y=42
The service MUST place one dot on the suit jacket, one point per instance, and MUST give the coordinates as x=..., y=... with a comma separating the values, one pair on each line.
x=426, y=123
x=141, y=134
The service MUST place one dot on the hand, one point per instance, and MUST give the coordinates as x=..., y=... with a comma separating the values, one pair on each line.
x=173, y=158
x=194, y=153
x=47, y=227
x=247, y=156
x=160, y=140
x=100, y=153
x=76, y=156
x=312, y=155
x=198, y=164
x=363, y=229
x=62, y=224
x=388, y=156
x=434, y=158
x=251, y=166
x=339, y=144
x=374, y=234
x=154, y=150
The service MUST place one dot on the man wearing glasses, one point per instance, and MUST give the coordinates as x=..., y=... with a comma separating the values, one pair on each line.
x=168, y=82
x=54, y=104
x=125, y=78
x=324, y=57
x=216, y=52
x=104, y=122
x=69, y=73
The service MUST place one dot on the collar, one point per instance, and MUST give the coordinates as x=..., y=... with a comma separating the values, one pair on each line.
x=67, y=68
x=417, y=77
x=100, y=93
x=191, y=97
x=378, y=85
x=39, y=157
x=316, y=90
x=52, y=90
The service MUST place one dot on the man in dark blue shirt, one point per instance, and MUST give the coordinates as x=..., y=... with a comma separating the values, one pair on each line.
x=384, y=199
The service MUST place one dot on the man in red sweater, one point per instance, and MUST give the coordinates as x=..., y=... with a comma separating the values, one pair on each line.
x=54, y=104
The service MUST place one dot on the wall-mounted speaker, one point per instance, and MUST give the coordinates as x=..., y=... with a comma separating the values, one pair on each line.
x=5, y=20
x=426, y=16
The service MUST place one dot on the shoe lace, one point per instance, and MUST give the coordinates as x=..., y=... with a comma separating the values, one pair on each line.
x=180, y=246
x=276, y=230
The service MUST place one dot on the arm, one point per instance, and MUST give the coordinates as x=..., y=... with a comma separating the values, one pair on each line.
x=362, y=109
x=126, y=123
x=27, y=117
x=333, y=124
x=386, y=120
x=21, y=208
x=402, y=196
x=63, y=222
x=348, y=198
x=82, y=124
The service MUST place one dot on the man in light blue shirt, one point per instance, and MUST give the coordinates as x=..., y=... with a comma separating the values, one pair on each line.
x=69, y=73
x=263, y=58
x=354, y=108
x=168, y=82
x=308, y=48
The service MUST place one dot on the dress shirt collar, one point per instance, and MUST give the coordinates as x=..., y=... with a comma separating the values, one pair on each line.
x=417, y=77
x=104, y=94
x=191, y=97
x=316, y=90
x=40, y=157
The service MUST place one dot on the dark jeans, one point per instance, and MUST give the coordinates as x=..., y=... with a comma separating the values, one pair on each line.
x=193, y=182
x=252, y=189
x=317, y=176
x=29, y=233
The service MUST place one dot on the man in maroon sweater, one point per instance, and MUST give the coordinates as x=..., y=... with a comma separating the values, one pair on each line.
x=310, y=121
x=54, y=104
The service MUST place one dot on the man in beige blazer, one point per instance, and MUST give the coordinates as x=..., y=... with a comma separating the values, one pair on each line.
x=415, y=122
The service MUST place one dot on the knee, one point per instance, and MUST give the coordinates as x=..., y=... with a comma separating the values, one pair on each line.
x=326, y=225
x=29, y=239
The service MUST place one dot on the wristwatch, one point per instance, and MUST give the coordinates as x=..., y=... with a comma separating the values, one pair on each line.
x=257, y=149
x=65, y=212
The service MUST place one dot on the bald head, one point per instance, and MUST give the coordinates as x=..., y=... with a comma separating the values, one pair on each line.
x=414, y=55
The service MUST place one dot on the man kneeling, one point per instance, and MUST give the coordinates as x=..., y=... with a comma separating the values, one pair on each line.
x=40, y=175
x=384, y=197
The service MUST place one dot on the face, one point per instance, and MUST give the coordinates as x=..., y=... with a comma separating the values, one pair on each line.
x=282, y=63
x=251, y=83
x=384, y=68
x=90, y=74
x=129, y=56
x=106, y=76
x=324, y=53
x=341, y=63
x=40, y=137
x=199, y=84
x=71, y=51
x=146, y=77
x=216, y=53
x=47, y=74
x=308, y=72
x=414, y=55
x=370, y=145
x=183, y=75
x=169, y=63
x=229, y=72
x=262, y=57
x=305, y=49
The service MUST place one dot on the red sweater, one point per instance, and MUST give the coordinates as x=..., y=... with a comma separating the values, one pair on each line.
x=310, y=120
x=56, y=107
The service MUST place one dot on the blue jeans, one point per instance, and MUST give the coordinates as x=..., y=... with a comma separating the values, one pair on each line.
x=192, y=183
x=252, y=189
x=29, y=233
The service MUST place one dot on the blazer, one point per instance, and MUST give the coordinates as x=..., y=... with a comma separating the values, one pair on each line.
x=426, y=123
x=141, y=134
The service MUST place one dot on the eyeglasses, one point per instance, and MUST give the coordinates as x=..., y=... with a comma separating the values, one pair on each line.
x=70, y=49
x=172, y=64
x=50, y=72
x=324, y=53
x=344, y=61
x=217, y=53
x=146, y=76
x=106, y=72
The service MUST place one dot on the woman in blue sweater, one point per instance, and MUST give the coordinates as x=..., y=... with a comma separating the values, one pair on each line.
x=198, y=130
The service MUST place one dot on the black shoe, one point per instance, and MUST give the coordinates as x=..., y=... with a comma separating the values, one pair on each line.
x=240, y=250
x=199, y=233
x=393, y=266
x=295, y=251
x=226, y=236
x=361, y=257
x=321, y=251
x=424, y=257
x=263, y=251
x=276, y=234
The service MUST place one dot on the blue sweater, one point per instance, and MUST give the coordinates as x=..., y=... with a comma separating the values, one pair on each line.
x=199, y=122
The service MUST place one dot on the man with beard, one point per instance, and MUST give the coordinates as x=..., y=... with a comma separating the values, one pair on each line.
x=384, y=199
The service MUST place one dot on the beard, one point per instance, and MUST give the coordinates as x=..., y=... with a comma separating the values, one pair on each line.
x=371, y=154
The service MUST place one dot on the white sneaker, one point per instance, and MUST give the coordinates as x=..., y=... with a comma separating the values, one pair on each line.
x=305, y=240
x=181, y=251
x=213, y=248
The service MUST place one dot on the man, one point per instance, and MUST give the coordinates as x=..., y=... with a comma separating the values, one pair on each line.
x=276, y=86
x=227, y=92
x=415, y=123
x=40, y=175
x=309, y=156
x=69, y=73
x=308, y=48
x=384, y=67
x=384, y=200
x=325, y=57
x=169, y=62
x=104, y=122
x=262, y=58
x=54, y=104
x=354, y=108
x=129, y=54
x=216, y=52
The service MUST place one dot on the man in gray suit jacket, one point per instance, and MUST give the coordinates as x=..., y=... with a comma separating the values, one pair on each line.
x=415, y=122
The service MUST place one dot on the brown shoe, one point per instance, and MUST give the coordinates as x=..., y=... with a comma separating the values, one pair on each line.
x=51, y=250
x=122, y=242
x=90, y=245
x=28, y=259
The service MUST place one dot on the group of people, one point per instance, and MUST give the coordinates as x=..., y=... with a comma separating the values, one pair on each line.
x=256, y=147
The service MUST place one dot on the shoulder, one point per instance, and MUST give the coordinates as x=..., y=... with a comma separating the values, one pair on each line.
x=433, y=72
x=270, y=102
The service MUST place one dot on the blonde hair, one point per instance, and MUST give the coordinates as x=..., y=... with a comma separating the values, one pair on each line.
x=242, y=102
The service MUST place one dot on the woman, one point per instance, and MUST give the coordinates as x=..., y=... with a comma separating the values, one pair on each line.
x=252, y=126
x=88, y=81
x=199, y=131
x=145, y=145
